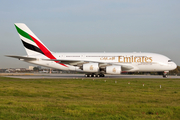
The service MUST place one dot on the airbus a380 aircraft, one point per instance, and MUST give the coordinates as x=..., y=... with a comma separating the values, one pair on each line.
x=93, y=64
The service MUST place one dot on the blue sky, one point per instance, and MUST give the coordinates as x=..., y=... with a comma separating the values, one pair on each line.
x=92, y=26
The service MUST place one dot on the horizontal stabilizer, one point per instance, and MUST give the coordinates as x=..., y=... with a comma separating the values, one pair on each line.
x=21, y=57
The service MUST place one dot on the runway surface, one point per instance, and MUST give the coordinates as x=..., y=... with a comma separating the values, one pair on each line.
x=76, y=76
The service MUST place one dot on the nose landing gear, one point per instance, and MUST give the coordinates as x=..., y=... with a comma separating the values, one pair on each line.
x=165, y=74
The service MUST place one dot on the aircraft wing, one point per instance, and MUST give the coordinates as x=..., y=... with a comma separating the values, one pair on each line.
x=21, y=57
x=101, y=64
x=70, y=62
x=75, y=62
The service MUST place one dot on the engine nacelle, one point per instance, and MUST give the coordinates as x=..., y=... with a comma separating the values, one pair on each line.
x=113, y=69
x=90, y=67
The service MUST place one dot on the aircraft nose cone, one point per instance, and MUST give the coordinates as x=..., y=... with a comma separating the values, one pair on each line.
x=174, y=66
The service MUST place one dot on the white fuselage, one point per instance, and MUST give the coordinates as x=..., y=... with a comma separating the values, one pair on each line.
x=141, y=62
x=95, y=64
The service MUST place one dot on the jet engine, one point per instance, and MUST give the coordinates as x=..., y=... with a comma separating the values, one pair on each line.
x=90, y=67
x=113, y=69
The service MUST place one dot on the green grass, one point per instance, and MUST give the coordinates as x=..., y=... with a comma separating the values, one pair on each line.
x=86, y=99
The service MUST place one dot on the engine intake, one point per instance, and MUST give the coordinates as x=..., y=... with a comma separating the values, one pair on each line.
x=113, y=69
x=90, y=67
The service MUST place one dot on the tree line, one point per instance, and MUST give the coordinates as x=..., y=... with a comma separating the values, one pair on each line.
x=175, y=71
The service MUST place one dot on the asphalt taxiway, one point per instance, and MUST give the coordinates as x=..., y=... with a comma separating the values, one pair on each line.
x=76, y=76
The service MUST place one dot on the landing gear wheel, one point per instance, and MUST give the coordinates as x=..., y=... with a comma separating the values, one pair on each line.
x=102, y=75
x=165, y=76
x=94, y=75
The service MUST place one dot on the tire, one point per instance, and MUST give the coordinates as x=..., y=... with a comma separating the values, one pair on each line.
x=165, y=76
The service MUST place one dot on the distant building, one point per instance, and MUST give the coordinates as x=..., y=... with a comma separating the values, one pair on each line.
x=31, y=67
x=2, y=70
x=17, y=69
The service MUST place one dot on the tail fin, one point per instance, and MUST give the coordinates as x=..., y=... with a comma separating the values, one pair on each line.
x=31, y=43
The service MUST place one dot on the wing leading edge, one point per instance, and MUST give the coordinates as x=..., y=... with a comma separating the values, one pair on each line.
x=101, y=64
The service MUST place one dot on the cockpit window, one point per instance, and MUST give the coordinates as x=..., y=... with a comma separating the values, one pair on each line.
x=169, y=60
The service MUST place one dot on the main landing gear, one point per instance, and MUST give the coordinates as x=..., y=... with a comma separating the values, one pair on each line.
x=94, y=75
